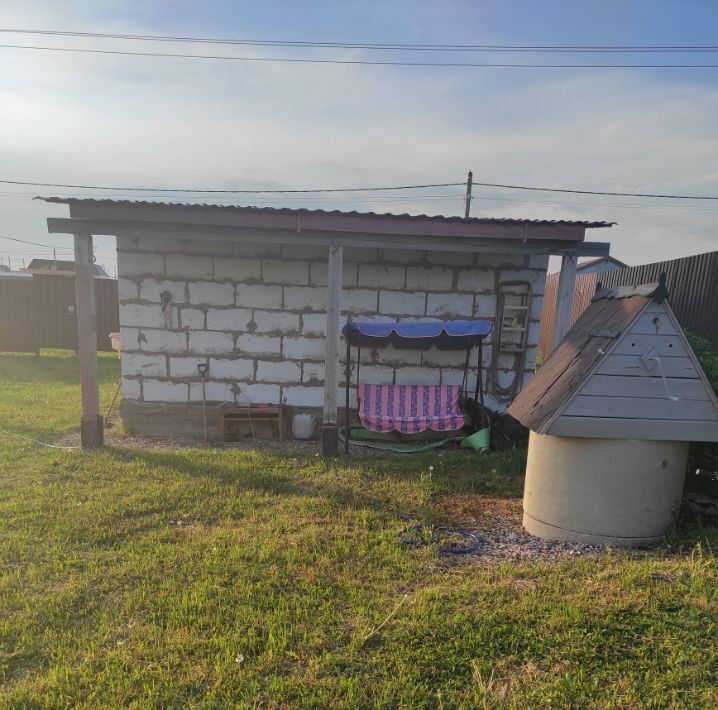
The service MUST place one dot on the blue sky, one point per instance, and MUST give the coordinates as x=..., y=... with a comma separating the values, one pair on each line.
x=145, y=121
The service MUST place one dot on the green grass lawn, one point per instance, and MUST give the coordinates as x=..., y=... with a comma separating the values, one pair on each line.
x=220, y=578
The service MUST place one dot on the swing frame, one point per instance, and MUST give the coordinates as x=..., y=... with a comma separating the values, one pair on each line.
x=443, y=338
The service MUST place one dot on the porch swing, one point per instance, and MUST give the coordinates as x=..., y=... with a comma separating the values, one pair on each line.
x=403, y=411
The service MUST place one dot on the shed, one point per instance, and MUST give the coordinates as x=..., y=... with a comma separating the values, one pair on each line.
x=611, y=413
x=257, y=296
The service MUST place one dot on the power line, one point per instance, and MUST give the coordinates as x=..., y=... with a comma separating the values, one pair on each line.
x=297, y=60
x=36, y=244
x=612, y=205
x=389, y=46
x=596, y=192
x=354, y=189
x=231, y=192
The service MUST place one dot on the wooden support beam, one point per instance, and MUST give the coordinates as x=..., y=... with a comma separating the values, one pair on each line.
x=564, y=298
x=330, y=432
x=478, y=245
x=91, y=423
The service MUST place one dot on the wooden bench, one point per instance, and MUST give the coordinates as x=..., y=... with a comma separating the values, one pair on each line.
x=253, y=415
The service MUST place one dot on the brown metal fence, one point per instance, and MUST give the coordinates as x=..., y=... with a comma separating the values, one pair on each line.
x=39, y=312
x=692, y=282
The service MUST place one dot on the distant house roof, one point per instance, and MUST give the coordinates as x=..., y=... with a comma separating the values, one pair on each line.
x=601, y=263
x=58, y=266
x=616, y=346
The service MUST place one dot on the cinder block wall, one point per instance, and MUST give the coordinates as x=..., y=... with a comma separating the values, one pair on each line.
x=256, y=314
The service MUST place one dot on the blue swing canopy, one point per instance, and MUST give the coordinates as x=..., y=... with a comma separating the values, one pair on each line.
x=446, y=335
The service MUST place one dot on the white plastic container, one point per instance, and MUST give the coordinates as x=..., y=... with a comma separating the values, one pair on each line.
x=303, y=426
x=115, y=340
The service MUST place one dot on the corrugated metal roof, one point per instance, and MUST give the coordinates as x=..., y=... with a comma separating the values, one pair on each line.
x=334, y=213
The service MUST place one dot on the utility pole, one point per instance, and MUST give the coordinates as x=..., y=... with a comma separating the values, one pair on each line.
x=469, y=182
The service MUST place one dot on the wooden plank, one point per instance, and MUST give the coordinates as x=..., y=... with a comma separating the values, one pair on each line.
x=644, y=386
x=641, y=408
x=564, y=299
x=645, y=325
x=664, y=345
x=331, y=343
x=91, y=422
x=655, y=429
x=631, y=365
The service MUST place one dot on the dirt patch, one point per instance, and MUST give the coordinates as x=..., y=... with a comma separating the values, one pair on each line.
x=497, y=521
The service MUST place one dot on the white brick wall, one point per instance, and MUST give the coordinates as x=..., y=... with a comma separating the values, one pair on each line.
x=150, y=290
x=314, y=323
x=319, y=272
x=228, y=318
x=237, y=269
x=131, y=389
x=131, y=263
x=234, y=369
x=259, y=296
x=133, y=364
x=284, y=271
x=185, y=366
x=401, y=303
x=304, y=396
x=211, y=293
x=210, y=343
x=141, y=314
x=279, y=371
x=253, y=344
x=161, y=391
x=192, y=318
x=305, y=298
x=276, y=322
x=477, y=281
x=450, y=304
x=216, y=391
x=312, y=373
x=127, y=290
x=162, y=341
x=378, y=276
x=205, y=246
x=257, y=313
x=196, y=267
x=259, y=394
x=359, y=300
x=303, y=348
x=428, y=278
x=485, y=305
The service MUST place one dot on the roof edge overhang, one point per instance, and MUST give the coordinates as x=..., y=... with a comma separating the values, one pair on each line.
x=320, y=221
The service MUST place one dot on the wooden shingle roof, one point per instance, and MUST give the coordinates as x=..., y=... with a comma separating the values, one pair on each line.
x=560, y=376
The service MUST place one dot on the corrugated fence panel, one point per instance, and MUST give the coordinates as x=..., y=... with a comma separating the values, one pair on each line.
x=692, y=282
x=40, y=313
x=18, y=321
x=583, y=293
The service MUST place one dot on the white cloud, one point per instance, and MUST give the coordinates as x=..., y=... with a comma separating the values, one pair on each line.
x=134, y=121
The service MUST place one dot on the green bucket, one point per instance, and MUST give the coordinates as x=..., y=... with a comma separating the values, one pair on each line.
x=479, y=440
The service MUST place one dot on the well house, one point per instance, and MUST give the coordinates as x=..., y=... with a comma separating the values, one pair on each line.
x=253, y=293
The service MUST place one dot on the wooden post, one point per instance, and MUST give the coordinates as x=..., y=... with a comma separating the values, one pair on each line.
x=564, y=298
x=91, y=423
x=330, y=433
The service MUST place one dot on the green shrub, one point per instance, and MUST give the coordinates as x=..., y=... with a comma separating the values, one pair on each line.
x=704, y=455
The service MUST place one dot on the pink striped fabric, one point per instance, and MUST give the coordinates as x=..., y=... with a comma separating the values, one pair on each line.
x=410, y=408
